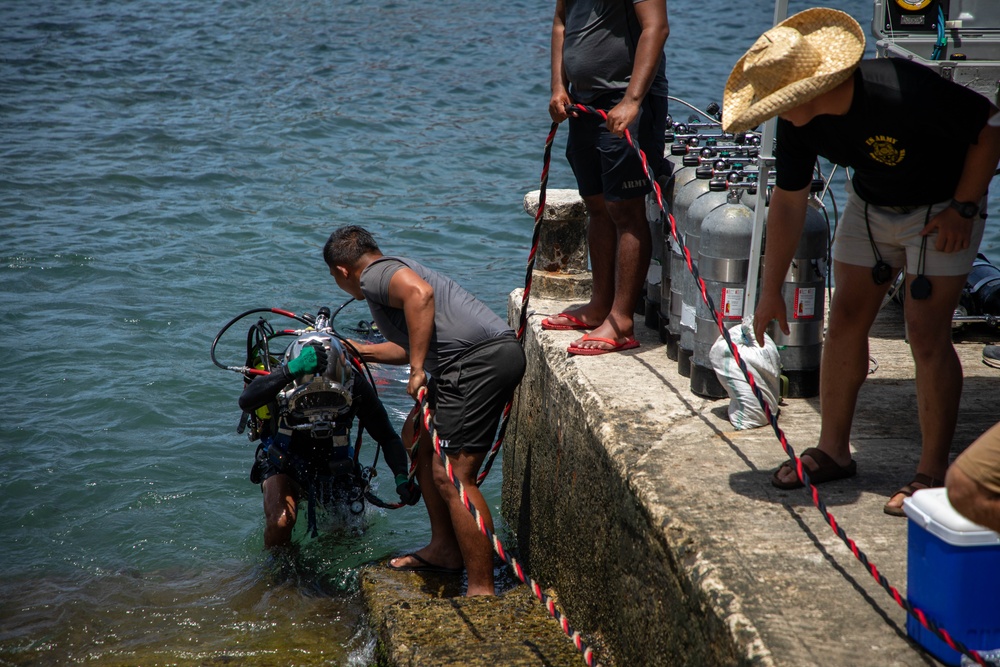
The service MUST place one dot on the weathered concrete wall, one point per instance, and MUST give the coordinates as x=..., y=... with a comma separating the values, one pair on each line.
x=655, y=520
x=581, y=526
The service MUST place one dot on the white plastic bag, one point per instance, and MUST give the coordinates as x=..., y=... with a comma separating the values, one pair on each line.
x=764, y=363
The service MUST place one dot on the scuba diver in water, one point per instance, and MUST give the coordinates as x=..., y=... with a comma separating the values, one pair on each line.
x=302, y=412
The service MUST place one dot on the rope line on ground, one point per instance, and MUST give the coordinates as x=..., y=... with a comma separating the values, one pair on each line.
x=800, y=469
x=547, y=601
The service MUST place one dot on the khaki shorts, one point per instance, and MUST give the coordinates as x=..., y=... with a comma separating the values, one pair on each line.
x=897, y=237
x=981, y=461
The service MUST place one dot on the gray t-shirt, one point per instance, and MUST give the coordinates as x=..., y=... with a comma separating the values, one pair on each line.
x=460, y=319
x=599, y=48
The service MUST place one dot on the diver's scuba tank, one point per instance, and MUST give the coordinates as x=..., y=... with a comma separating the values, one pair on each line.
x=723, y=263
x=659, y=266
x=805, y=303
x=681, y=306
x=673, y=267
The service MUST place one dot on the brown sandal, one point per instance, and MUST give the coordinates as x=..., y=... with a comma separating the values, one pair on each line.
x=826, y=470
x=908, y=490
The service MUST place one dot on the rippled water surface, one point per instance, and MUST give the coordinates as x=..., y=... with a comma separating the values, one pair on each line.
x=166, y=165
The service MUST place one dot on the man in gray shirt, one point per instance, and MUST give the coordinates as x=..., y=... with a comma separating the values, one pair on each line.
x=471, y=362
x=608, y=54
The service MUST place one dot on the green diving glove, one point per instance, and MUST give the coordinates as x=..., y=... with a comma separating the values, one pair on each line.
x=409, y=492
x=311, y=359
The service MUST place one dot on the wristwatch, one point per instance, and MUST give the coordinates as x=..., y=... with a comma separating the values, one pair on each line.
x=966, y=209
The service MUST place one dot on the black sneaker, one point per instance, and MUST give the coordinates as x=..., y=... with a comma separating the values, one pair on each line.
x=991, y=355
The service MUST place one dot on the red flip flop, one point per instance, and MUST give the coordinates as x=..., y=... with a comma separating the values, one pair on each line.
x=627, y=343
x=576, y=324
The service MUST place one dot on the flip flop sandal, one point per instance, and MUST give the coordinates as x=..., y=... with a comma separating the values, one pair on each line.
x=575, y=323
x=627, y=343
x=908, y=490
x=826, y=470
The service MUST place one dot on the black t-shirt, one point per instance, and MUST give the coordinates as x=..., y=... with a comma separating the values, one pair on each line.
x=905, y=136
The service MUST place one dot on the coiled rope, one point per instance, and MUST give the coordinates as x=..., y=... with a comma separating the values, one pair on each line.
x=800, y=469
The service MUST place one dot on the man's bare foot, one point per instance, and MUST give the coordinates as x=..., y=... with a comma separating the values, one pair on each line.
x=580, y=319
x=787, y=474
x=418, y=562
x=819, y=465
x=920, y=481
x=605, y=331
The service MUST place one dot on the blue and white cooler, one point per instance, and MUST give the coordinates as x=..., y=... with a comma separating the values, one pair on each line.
x=953, y=576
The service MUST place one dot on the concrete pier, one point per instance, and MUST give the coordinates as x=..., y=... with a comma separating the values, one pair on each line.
x=655, y=521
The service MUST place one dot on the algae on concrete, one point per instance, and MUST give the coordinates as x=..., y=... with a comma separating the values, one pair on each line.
x=421, y=620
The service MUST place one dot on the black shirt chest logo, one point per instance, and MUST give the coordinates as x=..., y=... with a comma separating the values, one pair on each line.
x=885, y=149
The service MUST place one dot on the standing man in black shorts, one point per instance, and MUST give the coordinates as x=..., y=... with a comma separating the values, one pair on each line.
x=471, y=362
x=609, y=55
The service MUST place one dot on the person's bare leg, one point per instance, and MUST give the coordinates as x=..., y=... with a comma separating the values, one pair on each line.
x=443, y=549
x=844, y=363
x=633, y=245
x=602, y=241
x=939, y=373
x=279, y=510
x=477, y=550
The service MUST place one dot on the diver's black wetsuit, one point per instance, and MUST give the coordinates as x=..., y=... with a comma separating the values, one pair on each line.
x=365, y=404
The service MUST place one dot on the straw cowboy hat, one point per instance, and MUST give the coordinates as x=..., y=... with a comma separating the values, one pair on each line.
x=801, y=58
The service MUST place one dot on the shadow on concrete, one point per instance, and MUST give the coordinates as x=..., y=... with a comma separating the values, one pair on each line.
x=874, y=604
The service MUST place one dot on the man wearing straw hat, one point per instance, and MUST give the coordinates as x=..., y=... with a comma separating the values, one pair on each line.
x=921, y=156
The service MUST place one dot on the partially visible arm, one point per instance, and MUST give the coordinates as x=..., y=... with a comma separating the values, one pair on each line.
x=415, y=297
x=375, y=420
x=786, y=217
x=954, y=231
x=264, y=388
x=560, y=83
x=652, y=15
x=382, y=353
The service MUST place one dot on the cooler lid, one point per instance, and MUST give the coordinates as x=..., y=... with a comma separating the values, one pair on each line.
x=930, y=509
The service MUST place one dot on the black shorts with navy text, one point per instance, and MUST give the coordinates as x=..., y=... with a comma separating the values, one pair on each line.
x=469, y=394
x=606, y=164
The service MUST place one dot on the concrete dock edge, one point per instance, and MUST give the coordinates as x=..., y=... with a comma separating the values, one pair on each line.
x=655, y=521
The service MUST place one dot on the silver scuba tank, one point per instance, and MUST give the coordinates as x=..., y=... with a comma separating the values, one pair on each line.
x=723, y=263
x=672, y=271
x=679, y=174
x=804, y=290
x=679, y=272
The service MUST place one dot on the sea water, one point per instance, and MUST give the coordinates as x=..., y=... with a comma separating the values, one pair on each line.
x=166, y=165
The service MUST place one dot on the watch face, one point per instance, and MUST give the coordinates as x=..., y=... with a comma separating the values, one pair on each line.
x=913, y=5
x=965, y=209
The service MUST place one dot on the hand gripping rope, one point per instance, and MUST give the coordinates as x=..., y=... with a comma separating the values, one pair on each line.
x=546, y=600
x=800, y=470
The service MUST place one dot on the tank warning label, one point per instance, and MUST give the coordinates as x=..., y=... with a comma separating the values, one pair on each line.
x=805, y=302
x=688, y=318
x=732, y=302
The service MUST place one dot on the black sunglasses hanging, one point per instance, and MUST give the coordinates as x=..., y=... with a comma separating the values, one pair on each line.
x=881, y=272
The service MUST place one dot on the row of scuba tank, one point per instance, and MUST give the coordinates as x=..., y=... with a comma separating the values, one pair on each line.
x=712, y=193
